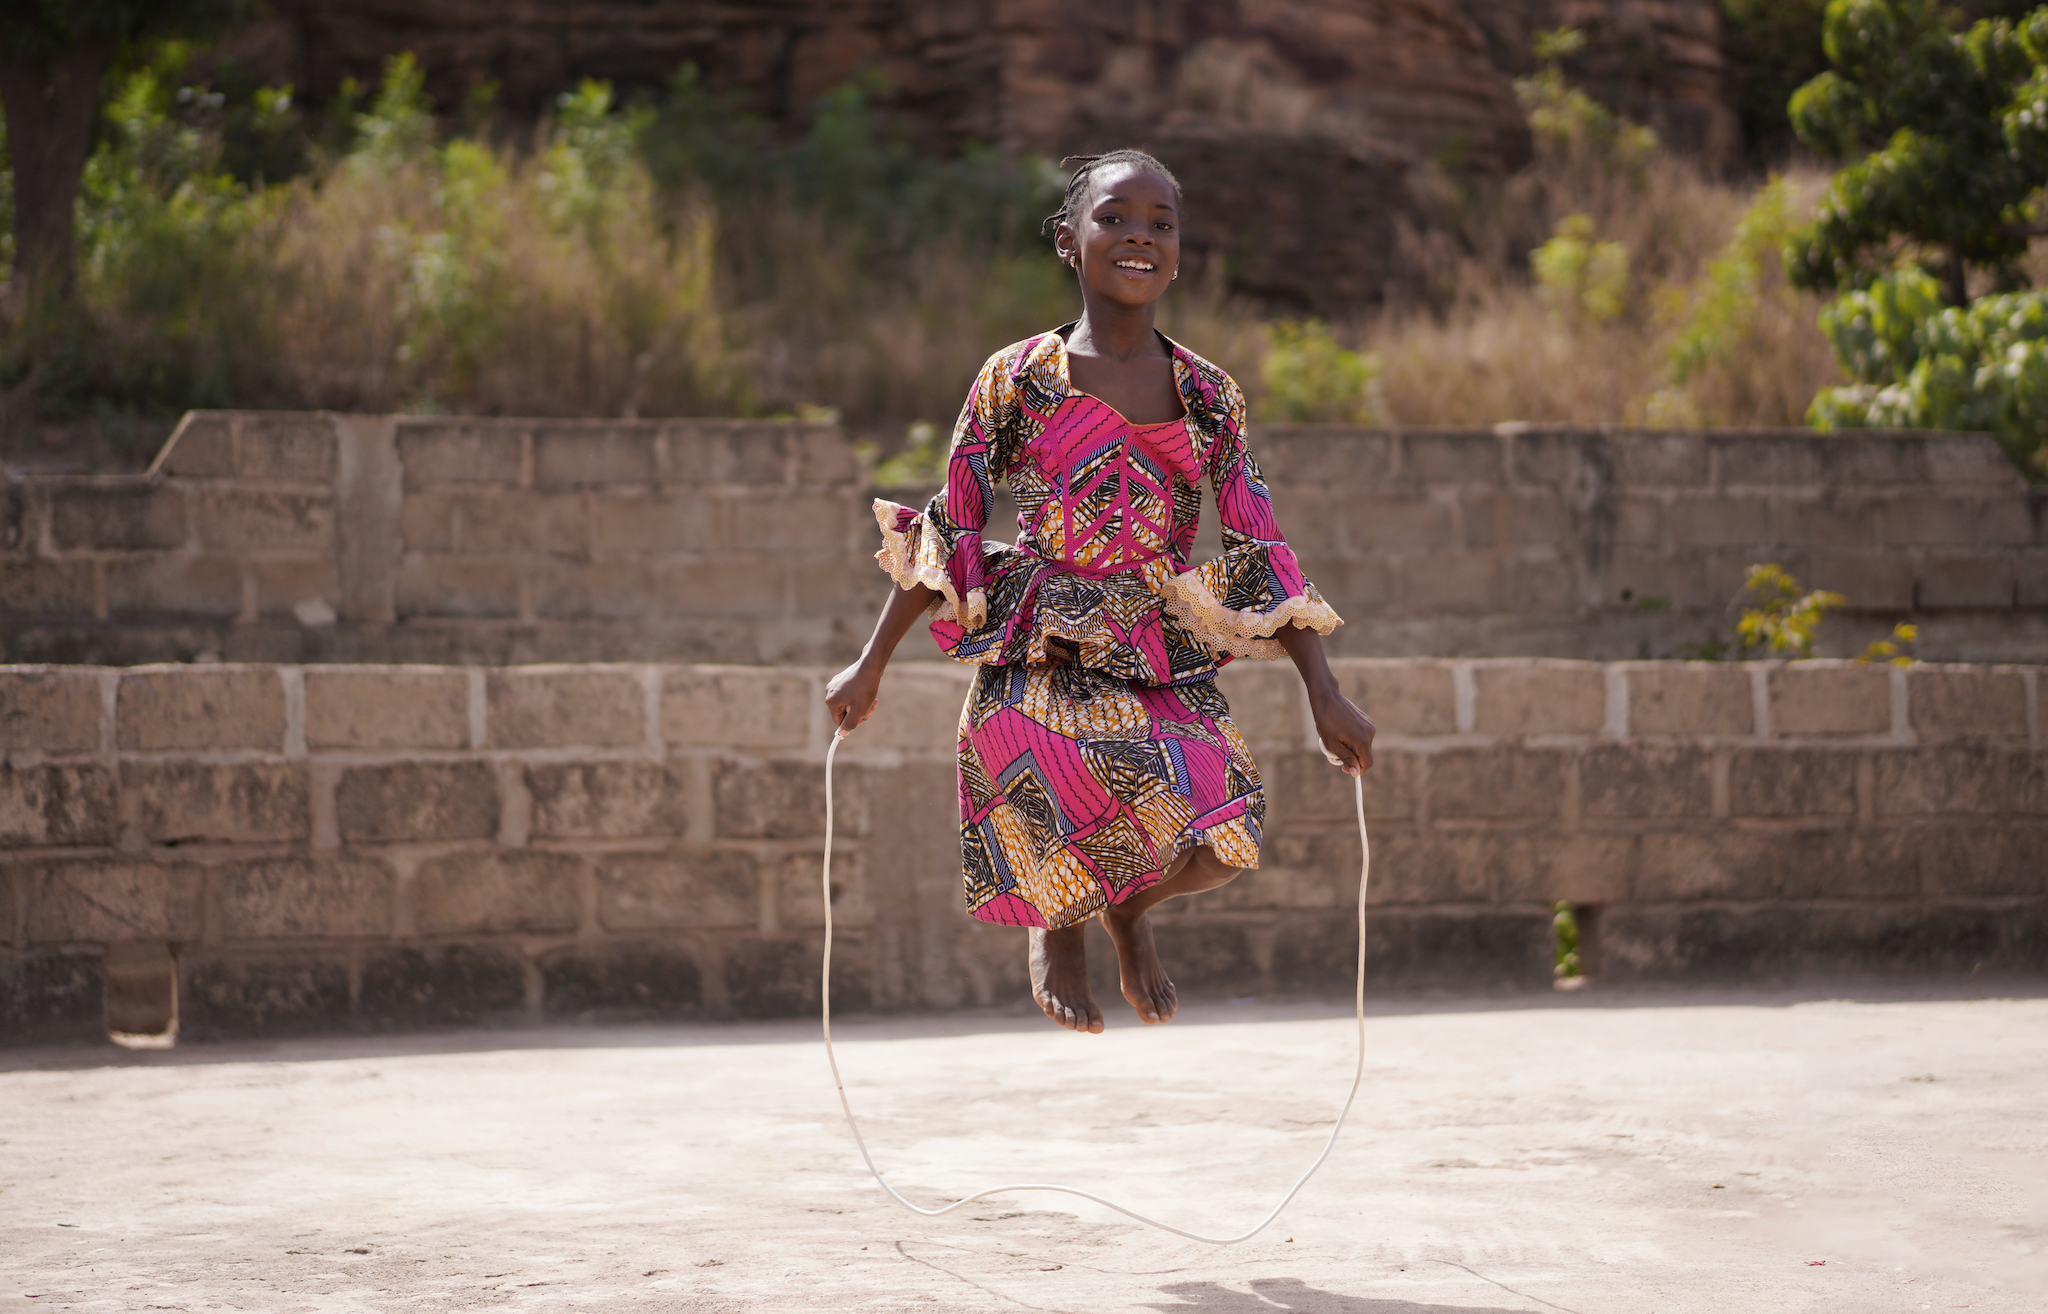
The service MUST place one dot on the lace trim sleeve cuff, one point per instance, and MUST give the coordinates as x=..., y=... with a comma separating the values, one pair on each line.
x=1189, y=600
x=909, y=556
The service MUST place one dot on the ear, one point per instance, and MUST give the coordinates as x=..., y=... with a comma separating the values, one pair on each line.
x=1064, y=242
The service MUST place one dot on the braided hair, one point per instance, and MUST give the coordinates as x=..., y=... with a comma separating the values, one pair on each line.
x=1085, y=166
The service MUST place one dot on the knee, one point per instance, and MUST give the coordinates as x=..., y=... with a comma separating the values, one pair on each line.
x=1215, y=871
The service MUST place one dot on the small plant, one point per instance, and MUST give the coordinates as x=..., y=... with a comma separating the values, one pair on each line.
x=1893, y=650
x=921, y=461
x=1580, y=276
x=1564, y=925
x=1786, y=620
x=1311, y=377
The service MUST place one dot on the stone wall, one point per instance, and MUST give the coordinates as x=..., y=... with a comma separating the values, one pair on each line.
x=320, y=538
x=313, y=848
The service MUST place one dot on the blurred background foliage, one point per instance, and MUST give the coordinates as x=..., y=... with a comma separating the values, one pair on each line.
x=676, y=255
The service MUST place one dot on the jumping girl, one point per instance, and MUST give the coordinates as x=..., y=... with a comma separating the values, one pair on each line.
x=1100, y=772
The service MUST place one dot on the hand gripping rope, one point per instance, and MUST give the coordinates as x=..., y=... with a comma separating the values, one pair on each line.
x=1364, y=872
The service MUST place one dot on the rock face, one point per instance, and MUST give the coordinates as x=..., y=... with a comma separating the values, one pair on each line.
x=1295, y=123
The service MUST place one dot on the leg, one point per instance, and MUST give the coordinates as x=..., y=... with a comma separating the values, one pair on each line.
x=1144, y=980
x=1059, y=977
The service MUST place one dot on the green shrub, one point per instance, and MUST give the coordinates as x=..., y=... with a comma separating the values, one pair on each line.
x=1310, y=377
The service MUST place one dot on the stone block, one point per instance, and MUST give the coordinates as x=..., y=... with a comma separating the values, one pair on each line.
x=727, y=452
x=1975, y=581
x=635, y=526
x=620, y=980
x=1212, y=957
x=442, y=985
x=1872, y=458
x=604, y=800
x=1501, y=782
x=628, y=590
x=231, y=996
x=426, y=522
x=1265, y=703
x=683, y=888
x=1927, y=519
x=2030, y=570
x=192, y=802
x=386, y=708
x=1822, y=699
x=1451, y=457
x=1396, y=522
x=1700, y=863
x=726, y=587
x=1980, y=862
x=1516, y=518
x=823, y=455
x=1439, y=867
x=1458, y=582
x=747, y=708
x=1462, y=949
x=2026, y=783
x=1538, y=579
x=565, y=707
x=488, y=890
x=1792, y=782
x=1955, y=778
x=51, y=997
x=46, y=588
x=194, y=709
x=1641, y=522
x=1302, y=788
x=1361, y=586
x=118, y=516
x=417, y=801
x=515, y=520
x=1712, y=520
x=296, y=895
x=202, y=447
x=1297, y=868
x=112, y=899
x=291, y=447
x=250, y=521
x=1842, y=523
x=573, y=456
x=1871, y=581
x=1829, y=862
x=1645, y=781
x=1589, y=867
x=53, y=804
x=1966, y=702
x=2007, y=522
x=1539, y=698
x=174, y=584
x=918, y=710
x=1324, y=456
x=459, y=452
x=774, y=977
x=784, y=800
x=50, y=711
x=1767, y=460
x=1635, y=575
x=1542, y=456
x=792, y=522
x=1402, y=697
x=1650, y=458
x=1690, y=698
x=456, y=587
x=283, y=588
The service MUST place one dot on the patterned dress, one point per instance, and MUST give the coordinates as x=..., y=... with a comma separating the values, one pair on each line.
x=1095, y=746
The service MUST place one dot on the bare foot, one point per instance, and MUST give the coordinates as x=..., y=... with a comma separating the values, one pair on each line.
x=1059, y=977
x=1144, y=979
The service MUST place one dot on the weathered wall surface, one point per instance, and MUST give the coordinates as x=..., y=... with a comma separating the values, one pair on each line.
x=316, y=537
x=317, y=848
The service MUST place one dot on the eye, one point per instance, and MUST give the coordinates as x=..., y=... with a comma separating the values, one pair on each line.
x=1107, y=219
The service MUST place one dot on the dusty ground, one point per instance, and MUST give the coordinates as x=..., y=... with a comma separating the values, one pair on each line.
x=1647, y=1155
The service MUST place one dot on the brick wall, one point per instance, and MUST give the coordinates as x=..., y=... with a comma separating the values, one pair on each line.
x=328, y=847
x=333, y=538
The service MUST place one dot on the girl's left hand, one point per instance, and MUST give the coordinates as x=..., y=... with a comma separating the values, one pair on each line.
x=1346, y=733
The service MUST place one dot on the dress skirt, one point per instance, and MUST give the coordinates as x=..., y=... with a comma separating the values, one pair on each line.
x=1078, y=788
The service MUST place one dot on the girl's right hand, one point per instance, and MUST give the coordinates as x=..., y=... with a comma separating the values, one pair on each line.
x=851, y=696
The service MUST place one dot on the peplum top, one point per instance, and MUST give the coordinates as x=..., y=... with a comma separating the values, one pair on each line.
x=1107, y=513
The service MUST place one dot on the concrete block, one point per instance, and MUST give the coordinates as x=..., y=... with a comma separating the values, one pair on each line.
x=682, y=888
x=54, y=804
x=1871, y=581
x=442, y=985
x=1821, y=699
x=202, y=447
x=296, y=895
x=748, y=708
x=1966, y=702
x=1928, y=519
x=2030, y=572
x=51, y=997
x=118, y=516
x=2026, y=783
x=823, y=455
x=1719, y=521
x=1974, y=581
x=386, y=708
x=727, y=452
x=510, y=520
x=784, y=800
x=284, y=587
x=1645, y=780
x=792, y=522
x=189, y=708
x=1457, y=582
x=1956, y=778
x=1542, y=456
x=1978, y=861
x=1583, y=868
x=2006, y=522
x=1792, y=782
x=1969, y=458
x=727, y=587
x=1498, y=782
x=1454, y=948
x=1297, y=869
x=290, y=447
x=112, y=899
x=1690, y=698
x=628, y=590
x=239, y=996
x=1844, y=523
x=1635, y=575
x=634, y=526
x=1645, y=458
x=1304, y=789
x=1439, y=867
x=417, y=801
x=618, y=980
x=604, y=800
x=773, y=977
x=498, y=890
x=50, y=711
x=1402, y=697
x=1872, y=458
x=1323, y=456
x=565, y=707
x=1539, y=698
x=1358, y=588
x=1516, y=518
x=1451, y=458
x=192, y=802
x=46, y=588
x=918, y=710
x=174, y=584
x=569, y=457
x=1641, y=522
x=1773, y=460
x=426, y=521
x=459, y=452
x=252, y=521
x=1700, y=863
x=1539, y=581
x=464, y=587
x=1265, y=703
x=1395, y=522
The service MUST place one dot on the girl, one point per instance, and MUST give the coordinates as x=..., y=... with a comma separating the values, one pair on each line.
x=1100, y=772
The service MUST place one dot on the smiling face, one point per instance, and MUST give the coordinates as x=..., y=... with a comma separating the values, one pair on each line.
x=1126, y=242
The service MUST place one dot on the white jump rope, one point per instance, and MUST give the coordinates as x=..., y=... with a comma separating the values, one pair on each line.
x=1364, y=873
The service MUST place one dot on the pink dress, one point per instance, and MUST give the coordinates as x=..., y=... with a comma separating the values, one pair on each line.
x=1095, y=746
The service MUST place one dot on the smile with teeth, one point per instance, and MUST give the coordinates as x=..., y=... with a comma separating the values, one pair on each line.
x=1143, y=266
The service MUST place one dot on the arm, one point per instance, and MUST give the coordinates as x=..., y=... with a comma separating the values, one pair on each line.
x=1345, y=732
x=851, y=695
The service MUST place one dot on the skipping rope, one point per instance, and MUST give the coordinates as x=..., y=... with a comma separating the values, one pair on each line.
x=1364, y=872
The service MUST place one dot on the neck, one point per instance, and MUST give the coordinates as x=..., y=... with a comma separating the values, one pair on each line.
x=1117, y=331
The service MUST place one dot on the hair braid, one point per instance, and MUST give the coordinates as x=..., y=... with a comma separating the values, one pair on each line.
x=1084, y=171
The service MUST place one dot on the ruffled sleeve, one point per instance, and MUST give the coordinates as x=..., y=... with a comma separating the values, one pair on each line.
x=1238, y=602
x=940, y=546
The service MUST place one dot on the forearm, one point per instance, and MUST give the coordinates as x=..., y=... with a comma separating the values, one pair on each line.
x=898, y=615
x=1305, y=647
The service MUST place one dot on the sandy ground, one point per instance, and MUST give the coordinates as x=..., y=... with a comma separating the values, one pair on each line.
x=1649, y=1154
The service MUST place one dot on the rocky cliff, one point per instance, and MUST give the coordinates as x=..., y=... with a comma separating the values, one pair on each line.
x=1296, y=122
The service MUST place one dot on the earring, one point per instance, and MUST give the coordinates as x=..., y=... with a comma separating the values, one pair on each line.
x=1176, y=274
